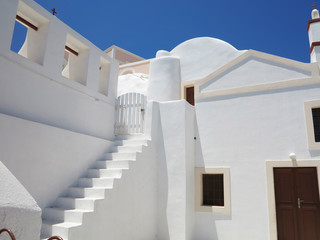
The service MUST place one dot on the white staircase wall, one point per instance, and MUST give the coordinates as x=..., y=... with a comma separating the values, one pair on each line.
x=173, y=136
x=118, y=201
x=129, y=210
x=46, y=159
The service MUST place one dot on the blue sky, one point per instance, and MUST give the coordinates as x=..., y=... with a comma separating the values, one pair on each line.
x=144, y=26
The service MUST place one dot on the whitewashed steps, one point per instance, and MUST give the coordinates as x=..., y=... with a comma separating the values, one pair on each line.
x=96, y=182
x=109, y=164
x=131, y=137
x=69, y=210
x=79, y=192
x=59, y=229
x=133, y=142
x=108, y=173
x=126, y=149
x=61, y=215
x=120, y=156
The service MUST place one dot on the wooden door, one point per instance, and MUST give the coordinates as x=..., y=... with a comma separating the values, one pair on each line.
x=297, y=203
x=190, y=95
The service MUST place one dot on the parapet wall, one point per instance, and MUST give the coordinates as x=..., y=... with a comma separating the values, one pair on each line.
x=39, y=84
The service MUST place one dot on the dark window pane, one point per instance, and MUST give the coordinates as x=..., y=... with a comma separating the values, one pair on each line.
x=213, y=194
x=316, y=123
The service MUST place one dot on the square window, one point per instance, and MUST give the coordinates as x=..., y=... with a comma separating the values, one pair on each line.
x=312, y=113
x=316, y=123
x=212, y=190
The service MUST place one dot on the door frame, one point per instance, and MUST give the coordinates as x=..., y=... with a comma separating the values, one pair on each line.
x=270, y=187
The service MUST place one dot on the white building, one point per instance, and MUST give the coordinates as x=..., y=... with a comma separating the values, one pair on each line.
x=241, y=163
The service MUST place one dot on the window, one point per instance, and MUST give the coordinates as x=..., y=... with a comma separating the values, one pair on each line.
x=316, y=123
x=312, y=113
x=212, y=190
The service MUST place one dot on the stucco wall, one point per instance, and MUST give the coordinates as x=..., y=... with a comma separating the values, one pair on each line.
x=137, y=67
x=201, y=56
x=172, y=134
x=130, y=208
x=18, y=210
x=46, y=160
x=32, y=85
x=242, y=132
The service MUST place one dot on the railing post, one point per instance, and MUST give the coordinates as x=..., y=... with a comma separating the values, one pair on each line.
x=55, y=238
x=9, y=232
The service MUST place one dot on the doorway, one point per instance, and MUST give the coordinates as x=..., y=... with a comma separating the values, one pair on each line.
x=189, y=95
x=297, y=203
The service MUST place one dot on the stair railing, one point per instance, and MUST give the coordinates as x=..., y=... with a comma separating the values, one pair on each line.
x=9, y=232
x=55, y=238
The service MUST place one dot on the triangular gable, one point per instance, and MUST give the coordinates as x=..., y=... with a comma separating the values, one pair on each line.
x=251, y=70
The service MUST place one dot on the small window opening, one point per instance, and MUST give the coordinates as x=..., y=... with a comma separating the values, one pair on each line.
x=316, y=123
x=213, y=194
x=30, y=34
x=70, y=50
x=67, y=52
x=189, y=92
x=75, y=60
x=104, y=73
x=19, y=36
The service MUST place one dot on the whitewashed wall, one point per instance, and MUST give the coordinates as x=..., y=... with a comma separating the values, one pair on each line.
x=33, y=88
x=242, y=132
x=170, y=125
x=53, y=127
x=46, y=160
x=130, y=209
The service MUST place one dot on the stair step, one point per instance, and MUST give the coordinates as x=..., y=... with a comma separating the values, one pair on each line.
x=119, y=164
x=109, y=173
x=61, y=215
x=126, y=149
x=130, y=137
x=94, y=192
x=95, y=182
x=60, y=229
x=68, y=212
x=120, y=156
x=75, y=203
x=143, y=142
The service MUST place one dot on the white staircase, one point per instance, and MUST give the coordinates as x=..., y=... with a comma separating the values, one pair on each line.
x=68, y=211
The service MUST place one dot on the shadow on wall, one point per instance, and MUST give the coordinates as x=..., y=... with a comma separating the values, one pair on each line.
x=205, y=222
x=163, y=228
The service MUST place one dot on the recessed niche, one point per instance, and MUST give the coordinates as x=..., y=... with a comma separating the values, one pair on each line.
x=104, y=75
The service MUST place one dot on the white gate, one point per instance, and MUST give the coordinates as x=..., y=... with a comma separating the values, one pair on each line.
x=130, y=110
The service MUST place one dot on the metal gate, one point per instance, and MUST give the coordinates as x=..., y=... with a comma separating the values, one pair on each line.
x=130, y=111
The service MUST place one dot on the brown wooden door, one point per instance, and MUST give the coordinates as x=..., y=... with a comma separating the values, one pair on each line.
x=190, y=95
x=297, y=203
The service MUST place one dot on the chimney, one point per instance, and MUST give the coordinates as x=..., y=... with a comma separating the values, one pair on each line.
x=314, y=36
